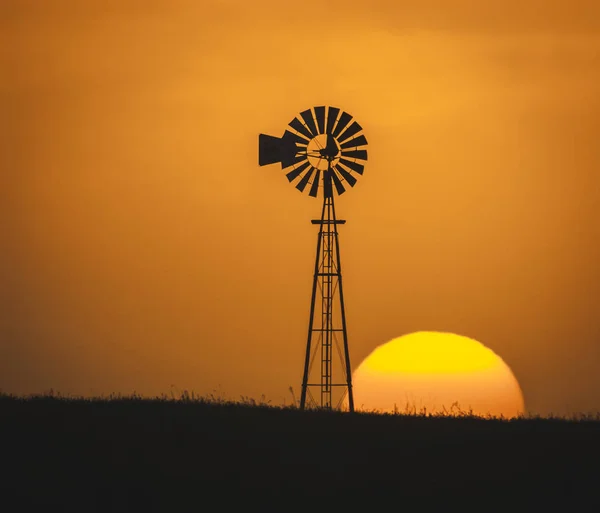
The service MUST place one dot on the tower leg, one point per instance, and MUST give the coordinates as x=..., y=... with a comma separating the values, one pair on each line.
x=312, y=315
x=343, y=313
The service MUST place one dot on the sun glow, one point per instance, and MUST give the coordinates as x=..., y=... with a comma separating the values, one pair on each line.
x=436, y=372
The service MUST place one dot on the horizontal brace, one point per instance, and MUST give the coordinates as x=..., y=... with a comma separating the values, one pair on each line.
x=325, y=329
x=332, y=385
x=328, y=274
x=319, y=221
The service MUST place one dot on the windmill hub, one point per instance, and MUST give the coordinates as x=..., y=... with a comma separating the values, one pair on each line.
x=321, y=150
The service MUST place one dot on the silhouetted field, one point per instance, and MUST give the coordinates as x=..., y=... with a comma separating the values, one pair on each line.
x=133, y=454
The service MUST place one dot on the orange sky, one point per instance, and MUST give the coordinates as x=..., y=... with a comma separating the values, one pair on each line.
x=143, y=247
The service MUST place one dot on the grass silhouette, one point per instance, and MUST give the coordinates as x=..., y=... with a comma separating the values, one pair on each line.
x=189, y=453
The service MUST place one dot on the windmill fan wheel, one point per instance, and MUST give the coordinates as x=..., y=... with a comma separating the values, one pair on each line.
x=322, y=149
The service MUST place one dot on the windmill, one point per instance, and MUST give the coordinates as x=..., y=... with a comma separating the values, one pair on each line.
x=322, y=151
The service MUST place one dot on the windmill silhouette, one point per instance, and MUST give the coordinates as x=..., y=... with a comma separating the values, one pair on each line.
x=323, y=148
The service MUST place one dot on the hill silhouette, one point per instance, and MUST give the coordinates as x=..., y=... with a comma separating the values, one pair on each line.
x=133, y=454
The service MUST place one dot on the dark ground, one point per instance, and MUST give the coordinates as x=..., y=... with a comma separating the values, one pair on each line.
x=161, y=455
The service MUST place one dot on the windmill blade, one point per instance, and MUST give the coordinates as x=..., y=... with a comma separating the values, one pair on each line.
x=338, y=183
x=357, y=154
x=346, y=175
x=353, y=129
x=355, y=166
x=288, y=160
x=341, y=124
x=332, y=115
x=296, y=138
x=307, y=116
x=314, y=188
x=296, y=171
x=361, y=140
x=297, y=125
x=320, y=117
x=304, y=181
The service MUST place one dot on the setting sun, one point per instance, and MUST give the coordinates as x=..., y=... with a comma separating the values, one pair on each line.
x=437, y=372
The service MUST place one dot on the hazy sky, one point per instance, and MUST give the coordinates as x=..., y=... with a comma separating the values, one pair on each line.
x=142, y=246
